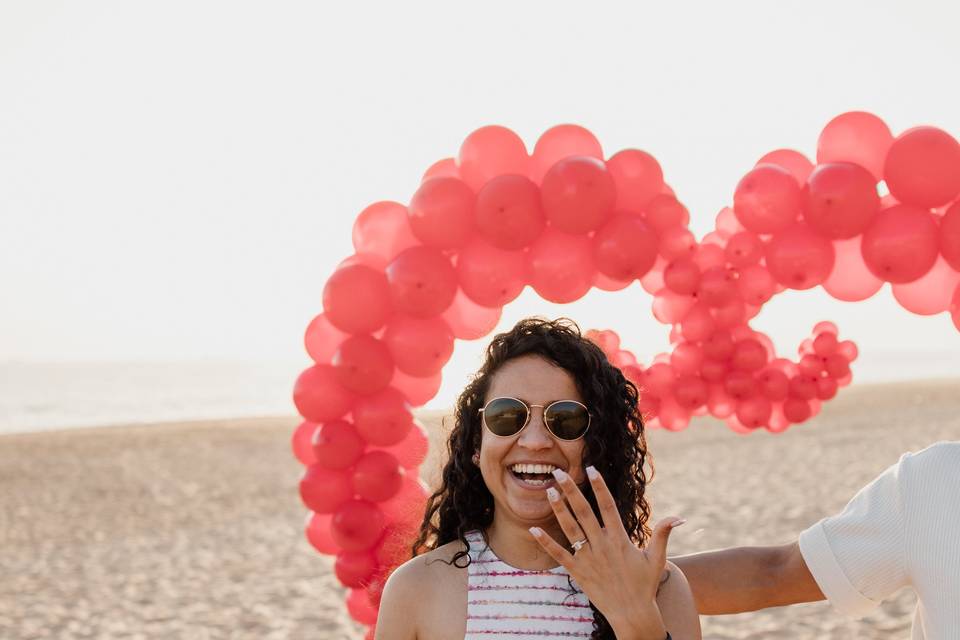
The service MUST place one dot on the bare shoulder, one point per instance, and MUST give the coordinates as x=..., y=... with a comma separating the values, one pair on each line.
x=422, y=593
x=676, y=604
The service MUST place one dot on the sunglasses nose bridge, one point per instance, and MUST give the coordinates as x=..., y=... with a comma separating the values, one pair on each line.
x=536, y=431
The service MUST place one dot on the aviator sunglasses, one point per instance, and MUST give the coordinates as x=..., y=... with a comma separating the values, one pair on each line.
x=565, y=419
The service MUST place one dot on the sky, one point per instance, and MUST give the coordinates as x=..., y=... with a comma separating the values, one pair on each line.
x=179, y=179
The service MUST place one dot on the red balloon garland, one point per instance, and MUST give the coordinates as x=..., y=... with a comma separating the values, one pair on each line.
x=563, y=220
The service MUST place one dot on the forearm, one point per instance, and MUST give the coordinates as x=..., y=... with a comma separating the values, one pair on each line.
x=748, y=578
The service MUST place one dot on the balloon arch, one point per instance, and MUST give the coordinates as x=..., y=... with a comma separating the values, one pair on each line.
x=564, y=219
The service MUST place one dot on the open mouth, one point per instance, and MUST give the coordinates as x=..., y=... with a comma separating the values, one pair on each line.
x=533, y=475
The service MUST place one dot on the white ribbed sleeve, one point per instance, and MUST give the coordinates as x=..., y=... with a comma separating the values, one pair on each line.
x=903, y=529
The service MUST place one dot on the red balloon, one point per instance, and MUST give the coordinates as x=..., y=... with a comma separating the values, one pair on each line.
x=744, y=249
x=561, y=266
x=748, y=355
x=356, y=525
x=848, y=349
x=754, y=412
x=336, y=445
x=363, y=364
x=355, y=568
x=840, y=200
x=687, y=358
x=731, y=314
x=322, y=339
x=718, y=286
x=468, y=320
x=690, y=392
x=422, y=282
x=445, y=168
x=412, y=450
x=901, y=244
x=325, y=490
x=719, y=404
x=756, y=285
x=672, y=416
x=810, y=366
x=419, y=346
x=442, y=213
x=408, y=504
x=383, y=229
x=360, y=608
x=417, y=391
x=682, y=276
x=698, y=324
x=713, y=370
x=802, y=387
x=666, y=212
x=489, y=152
x=950, y=236
x=796, y=410
x=923, y=167
x=625, y=248
x=930, y=294
x=740, y=385
x=836, y=366
x=577, y=194
x=708, y=256
x=489, y=276
x=561, y=142
x=727, y=222
x=793, y=161
x=671, y=308
x=638, y=178
x=850, y=279
x=377, y=476
x=356, y=299
x=718, y=346
x=658, y=379
x=301, y=442
x=826, y=388
x=318, y=533
x=773, y=384
x=955, y=308
x=677, y=242
x=798, y=258
x=383, y=419
x=767, y=199
x=825, y=344
x=857, y=137
x=509, y=214
x=319, y=396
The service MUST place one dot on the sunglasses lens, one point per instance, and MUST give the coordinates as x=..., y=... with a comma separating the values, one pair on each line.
x=505, y=416
x=567, y=420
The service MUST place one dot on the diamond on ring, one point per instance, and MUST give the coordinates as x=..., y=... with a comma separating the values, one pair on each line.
x=578, y=545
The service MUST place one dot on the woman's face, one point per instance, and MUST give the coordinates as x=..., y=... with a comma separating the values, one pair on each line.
x=535, y=381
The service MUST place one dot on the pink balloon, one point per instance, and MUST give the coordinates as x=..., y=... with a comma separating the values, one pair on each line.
x=383, y=419
x=638, y=179
x=561, y=142
x=698, y=324
x=489, y=276
x=419, y=346
x=577, y=194
x=798, y=258
x=665, y=212
x=718, y=286
x=469, y=320
x=682, y=276
x=748, y=355
x=301, y=442
x=727, y=222
x=754, y=412
x=363, y=364
x=734, y=424
x=489, y=152
x=671, y=308
x=796, y=410
x=356, y=299
x=931, y=293
x=561, y=266
x=778, y=421
x=606, y=283
x=360, y=608
x=857, y=137
x=950, y=236
x=408, y=504
x=422, y=281
x=336, y=445
x=767, y=199
x=955, y=308
x=354, y=568
x=383, y=229
x=445, y=168
x=756, y=285
x=848, y=349
x=412, y=450
x=442, y=213
x=744, y=249
x=625, y=248
x=714, y=370
x=825, y=344
x=377, y=476
x=740, y=385
x=850, y=279
x=356, y=525
x=901, y=244
x=719, y=404
x=652, y=282
x=840, y=200
x=318, y=533
x=325, y=490
x=690, y=392
x=322, y=339
x=793, y=161
x=319, y=396
x=658, y=379
x=677, y=242
x=509, y=214
x=773, y=384
x=923, y=167
x=719, y=346
x=686, y=359
x=417, y=391
x=672, y=416
x=709, y=255
x=730, y=314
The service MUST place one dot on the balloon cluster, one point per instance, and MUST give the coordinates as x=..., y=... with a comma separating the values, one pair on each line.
x=564, y=219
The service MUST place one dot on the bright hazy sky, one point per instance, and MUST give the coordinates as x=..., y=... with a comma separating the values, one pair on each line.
x=178, y=179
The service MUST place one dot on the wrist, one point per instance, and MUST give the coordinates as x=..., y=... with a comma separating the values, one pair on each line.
x=643, y=623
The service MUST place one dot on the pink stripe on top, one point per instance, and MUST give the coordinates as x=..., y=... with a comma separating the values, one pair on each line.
x=506, y=602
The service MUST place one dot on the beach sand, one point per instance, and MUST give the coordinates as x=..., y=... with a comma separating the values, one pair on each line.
x=195, y=530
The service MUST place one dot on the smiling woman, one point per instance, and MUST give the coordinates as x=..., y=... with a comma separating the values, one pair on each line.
x=539, y=527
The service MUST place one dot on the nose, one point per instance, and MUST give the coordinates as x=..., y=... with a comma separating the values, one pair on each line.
x=535, y=436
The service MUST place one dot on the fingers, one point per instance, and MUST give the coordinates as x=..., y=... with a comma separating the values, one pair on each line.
x=657, y=545
x=567, y=522
x=581, y=508
x=549, y=545
x=608, y=506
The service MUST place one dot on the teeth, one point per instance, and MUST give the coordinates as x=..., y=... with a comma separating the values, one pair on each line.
x=533, y=468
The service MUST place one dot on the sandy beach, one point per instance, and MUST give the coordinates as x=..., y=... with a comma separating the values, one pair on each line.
x=194, y=529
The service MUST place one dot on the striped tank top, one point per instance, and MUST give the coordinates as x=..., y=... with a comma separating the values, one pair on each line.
x=506, y=602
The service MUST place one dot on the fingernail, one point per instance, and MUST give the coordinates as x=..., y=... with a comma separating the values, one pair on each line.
x=560, y=475
x=592, y=473
x=552, y=494
x=679, y=522
x=536, y=532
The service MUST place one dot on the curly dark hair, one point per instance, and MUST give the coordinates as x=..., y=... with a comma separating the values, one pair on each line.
x=615, y=444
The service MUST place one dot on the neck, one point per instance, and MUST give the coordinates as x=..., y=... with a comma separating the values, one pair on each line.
x=514, y=544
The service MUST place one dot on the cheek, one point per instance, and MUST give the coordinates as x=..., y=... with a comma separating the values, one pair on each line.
x=573, y=452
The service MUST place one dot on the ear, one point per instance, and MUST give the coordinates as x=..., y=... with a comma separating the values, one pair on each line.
x=476, y=458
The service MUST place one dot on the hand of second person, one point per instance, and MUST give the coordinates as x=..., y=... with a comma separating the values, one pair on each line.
x=619, y=578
